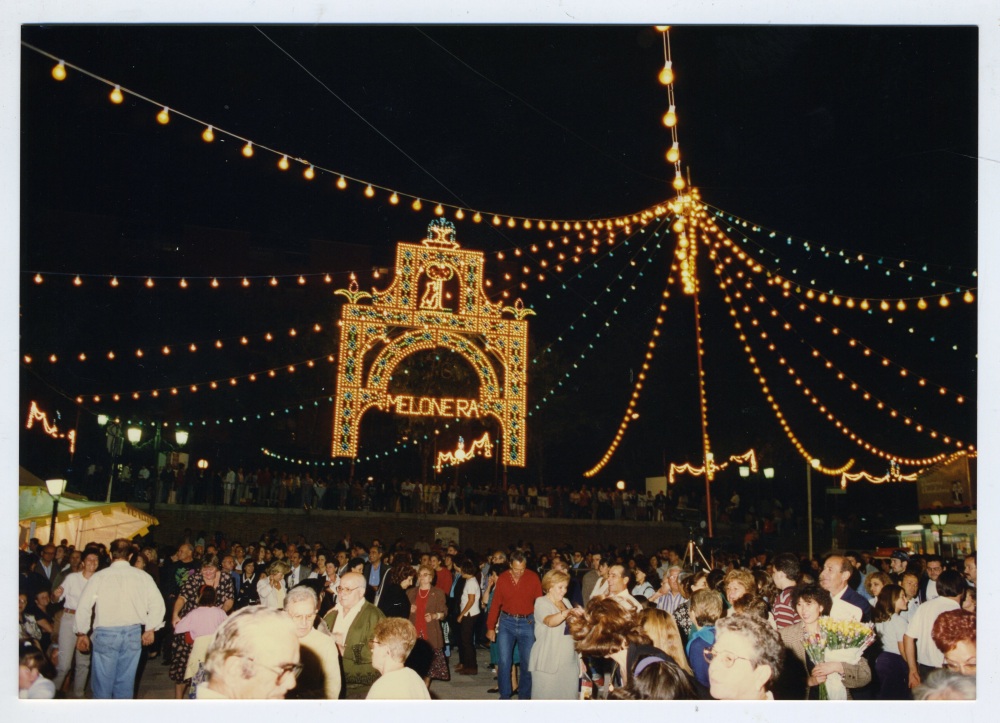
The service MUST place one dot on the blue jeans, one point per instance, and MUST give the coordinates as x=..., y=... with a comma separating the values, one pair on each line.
x=115, y=658
x=521, y=631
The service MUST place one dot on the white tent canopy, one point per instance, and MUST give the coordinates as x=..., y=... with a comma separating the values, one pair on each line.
x=78, y=520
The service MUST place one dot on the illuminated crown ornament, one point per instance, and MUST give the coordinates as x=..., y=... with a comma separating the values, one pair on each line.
x=441, y=235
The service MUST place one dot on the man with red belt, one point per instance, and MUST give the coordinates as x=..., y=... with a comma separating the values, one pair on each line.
x=513, y=607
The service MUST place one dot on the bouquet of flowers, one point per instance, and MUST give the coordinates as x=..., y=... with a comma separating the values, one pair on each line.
x=838, y=641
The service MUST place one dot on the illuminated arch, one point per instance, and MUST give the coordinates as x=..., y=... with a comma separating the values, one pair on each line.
x=413, y=313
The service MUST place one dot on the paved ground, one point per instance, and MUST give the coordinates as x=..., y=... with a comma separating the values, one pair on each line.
x=156, y=684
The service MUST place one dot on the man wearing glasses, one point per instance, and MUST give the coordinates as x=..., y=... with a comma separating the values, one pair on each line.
x=254, y=654
x=745, y=659
x=352, y=624
x=320, y=658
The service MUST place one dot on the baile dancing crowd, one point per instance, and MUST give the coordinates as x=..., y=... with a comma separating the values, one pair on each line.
x=286, y=617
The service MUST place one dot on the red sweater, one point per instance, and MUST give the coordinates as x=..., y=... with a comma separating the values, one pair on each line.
x=514, y=598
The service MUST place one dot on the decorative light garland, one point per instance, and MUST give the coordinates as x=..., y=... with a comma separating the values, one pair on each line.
x=311, y=170
x=829, y=365
x=462, y=455
x=151, y=281
x=37, y=415
x=844, y=429
x=213, y=384
x=849, y=257
x=749, y=457
x=167, y=349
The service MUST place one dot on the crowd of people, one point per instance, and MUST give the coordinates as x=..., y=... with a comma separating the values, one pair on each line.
x=286, y=617
x=262, y=487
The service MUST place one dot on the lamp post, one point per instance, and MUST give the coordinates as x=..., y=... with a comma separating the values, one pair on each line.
x=939, y=520
x=115, y=442
x=56, y=487
x=135, y=435
x=813, y=463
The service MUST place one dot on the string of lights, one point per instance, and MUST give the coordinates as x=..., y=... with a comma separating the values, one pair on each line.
x=868, y=352
x=575, y=364
x=630, y=413
x=897, y=303
x=828, y=365
x=171, y=349
x=785, y=287
x=749, y=457
x=885, y=263
x=821, y=407
x=212, y=384
x=311, y=170
x=153, y=281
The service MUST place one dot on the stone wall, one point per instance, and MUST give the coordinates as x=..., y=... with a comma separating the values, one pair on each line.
x=478, y=533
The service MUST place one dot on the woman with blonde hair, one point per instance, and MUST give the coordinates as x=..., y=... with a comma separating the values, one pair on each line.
x=554, y=663
x=271, y=588
x=662, y=629
x=737, y=583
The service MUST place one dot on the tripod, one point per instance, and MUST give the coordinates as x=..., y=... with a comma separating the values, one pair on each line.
x=690, y=551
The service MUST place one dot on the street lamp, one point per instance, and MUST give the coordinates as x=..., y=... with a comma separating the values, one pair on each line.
x=135, y=435
x=115, y=443
x=940, y=519
x=813, y=464
x=56, y=487
x=620, y=485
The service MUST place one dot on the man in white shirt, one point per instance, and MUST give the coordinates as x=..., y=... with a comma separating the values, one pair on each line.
x=320, y=660
x=618, y=583
x=69, y=595
x=922, y=655
x=934, y=568
x=129, y=609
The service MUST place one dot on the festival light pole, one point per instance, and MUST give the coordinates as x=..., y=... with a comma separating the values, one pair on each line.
x=813, y=463
x=135, y=435
x=56, y=487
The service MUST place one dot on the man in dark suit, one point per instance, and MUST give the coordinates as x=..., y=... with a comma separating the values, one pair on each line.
x=374, y=572
x=300, y=570
x=847, y=604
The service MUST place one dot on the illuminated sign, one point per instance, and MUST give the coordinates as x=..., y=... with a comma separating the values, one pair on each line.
x=434, y=301
x=431, y=407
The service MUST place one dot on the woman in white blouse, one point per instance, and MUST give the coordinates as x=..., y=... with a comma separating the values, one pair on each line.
x=271, y=588
x=890, y=665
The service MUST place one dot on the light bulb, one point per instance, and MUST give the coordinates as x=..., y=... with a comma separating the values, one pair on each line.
x=114, y=281
x=163, y=117
x=341, y=183
x=116, y=95
x=59, y=72
x=439, y=210
x=149, y=282
x=309, y=173
x=416, y=205
x=394, y=198
x=77, y=281
x=968, y=298
x=215, y=283
x=478, y=217
x=944, y=301
x=674, y=154
x=183, y=283
x=369, y=191
x=248, y=150
x=678, y=183
x=38, y=278
x=667, y=74
x=459, y=214
x=283, y=163
x=246, y=282
x=208, y=135
x=662, y=28
x=670, y=117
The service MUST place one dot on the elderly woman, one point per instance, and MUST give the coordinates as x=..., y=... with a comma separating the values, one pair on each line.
x=392, y=640
x=745, y=659
x=554, y=663
x=271, y=588
x=811, y=601
x=954, y=634
x=428, y=607
x=210, y=575
x=606, y=629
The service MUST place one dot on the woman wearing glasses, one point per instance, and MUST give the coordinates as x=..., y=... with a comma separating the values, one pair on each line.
x=811, y=601
x=392, y=641
x=745, y=659
x=428, y=607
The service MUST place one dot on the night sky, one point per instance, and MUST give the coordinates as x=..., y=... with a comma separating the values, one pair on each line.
x=861, y=140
